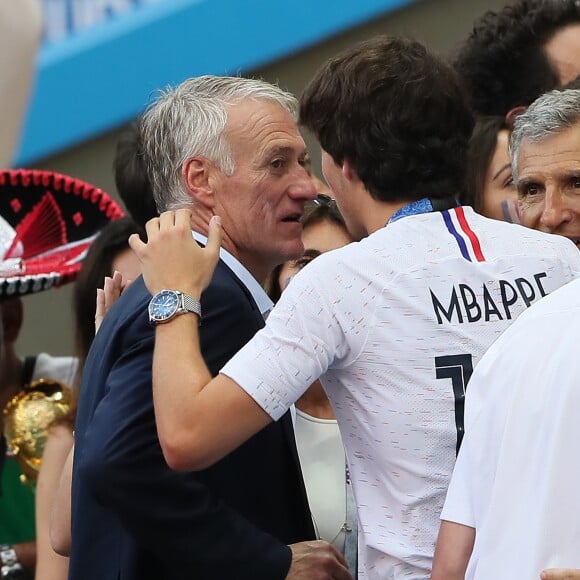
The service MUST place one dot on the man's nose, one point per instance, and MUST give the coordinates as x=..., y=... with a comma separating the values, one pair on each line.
x=303, y=188
x=557, y=210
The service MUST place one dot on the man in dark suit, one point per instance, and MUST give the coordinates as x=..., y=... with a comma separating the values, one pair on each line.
x=214, y=145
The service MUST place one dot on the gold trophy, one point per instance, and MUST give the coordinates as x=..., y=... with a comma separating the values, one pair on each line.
x=27, y=418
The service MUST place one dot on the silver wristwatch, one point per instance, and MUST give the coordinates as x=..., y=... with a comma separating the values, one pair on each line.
x=167, y=304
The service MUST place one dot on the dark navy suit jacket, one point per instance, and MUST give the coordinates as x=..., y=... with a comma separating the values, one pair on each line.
x=136, y=519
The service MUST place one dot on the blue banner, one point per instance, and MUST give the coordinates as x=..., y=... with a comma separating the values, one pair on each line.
x=67, y=17
x=102, y=59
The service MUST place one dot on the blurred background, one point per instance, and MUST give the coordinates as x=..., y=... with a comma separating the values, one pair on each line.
x=101, y=61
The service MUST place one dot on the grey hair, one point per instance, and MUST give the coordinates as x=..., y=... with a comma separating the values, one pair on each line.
x=550, y=114
x=190, y=120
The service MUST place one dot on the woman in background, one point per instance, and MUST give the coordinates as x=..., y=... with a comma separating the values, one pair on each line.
x=489, y=186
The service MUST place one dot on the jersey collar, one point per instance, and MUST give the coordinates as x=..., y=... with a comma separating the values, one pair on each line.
x=424, y=205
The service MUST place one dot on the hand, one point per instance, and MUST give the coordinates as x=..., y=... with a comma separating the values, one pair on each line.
x=172, y=259
x=560, y=574
x=108, y=295
x=317, y=560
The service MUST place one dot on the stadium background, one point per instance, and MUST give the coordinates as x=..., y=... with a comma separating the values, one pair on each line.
x=101, y=60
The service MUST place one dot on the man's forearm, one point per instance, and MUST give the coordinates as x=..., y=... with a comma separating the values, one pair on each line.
x=60, y=519
x=179, y=375
x=199, y=419
x=454, y=548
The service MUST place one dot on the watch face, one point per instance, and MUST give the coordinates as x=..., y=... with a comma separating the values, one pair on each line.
x=163, y=305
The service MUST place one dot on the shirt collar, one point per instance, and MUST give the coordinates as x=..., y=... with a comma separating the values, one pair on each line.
x=424, y=205
x=258, y=293
x=416, y=207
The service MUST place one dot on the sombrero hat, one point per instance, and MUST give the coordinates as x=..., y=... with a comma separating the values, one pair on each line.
x=47, y=223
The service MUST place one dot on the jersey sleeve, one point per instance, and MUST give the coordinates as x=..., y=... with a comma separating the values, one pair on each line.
x=303, y=337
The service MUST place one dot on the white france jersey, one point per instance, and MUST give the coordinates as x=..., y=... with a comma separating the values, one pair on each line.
x=395, y=324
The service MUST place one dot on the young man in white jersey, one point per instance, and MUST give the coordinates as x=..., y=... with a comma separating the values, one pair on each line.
x=393, y=324
x=513, y=503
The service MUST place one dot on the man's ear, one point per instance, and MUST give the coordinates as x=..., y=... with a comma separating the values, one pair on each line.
x=512, y=114
x=197, y=173
x=348, y=171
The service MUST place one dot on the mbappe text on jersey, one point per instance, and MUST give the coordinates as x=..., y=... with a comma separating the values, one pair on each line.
x=496, y=299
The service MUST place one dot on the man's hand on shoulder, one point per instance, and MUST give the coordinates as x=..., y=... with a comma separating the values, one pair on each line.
x=172, y=259
x=317, y=560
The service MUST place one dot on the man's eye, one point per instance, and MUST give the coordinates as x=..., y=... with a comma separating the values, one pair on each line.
x=576, y=182
x=277, y=163
x=531, y=189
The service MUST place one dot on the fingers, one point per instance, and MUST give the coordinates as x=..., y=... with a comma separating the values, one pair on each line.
x=340, y=567
x=168, y=220
x=100, y=309
x=107, y=296
x=112, y=288
x=180, y=220
x=341, y=558
x=117, y=280
x=191, y=268
x=317, y=560
x=152, y=228
x=560, y=574
x=171, y=218
x=334, y=553
x=342, y=574
x=214, y=239
x=136, y=244
x=183, y=219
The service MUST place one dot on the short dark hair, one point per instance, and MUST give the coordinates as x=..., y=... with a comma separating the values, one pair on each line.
x=503, y=61
x=397, y=113
x=131, y=177
x=481, y=149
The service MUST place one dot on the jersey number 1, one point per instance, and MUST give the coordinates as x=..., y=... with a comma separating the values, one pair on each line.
x=458, y=368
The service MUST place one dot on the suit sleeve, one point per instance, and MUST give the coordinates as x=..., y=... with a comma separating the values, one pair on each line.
x=172, y=514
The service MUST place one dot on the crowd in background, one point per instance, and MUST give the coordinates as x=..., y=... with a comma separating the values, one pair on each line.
x=344, y=376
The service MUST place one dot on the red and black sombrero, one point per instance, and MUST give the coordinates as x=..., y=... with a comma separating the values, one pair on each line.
x=47, y=223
